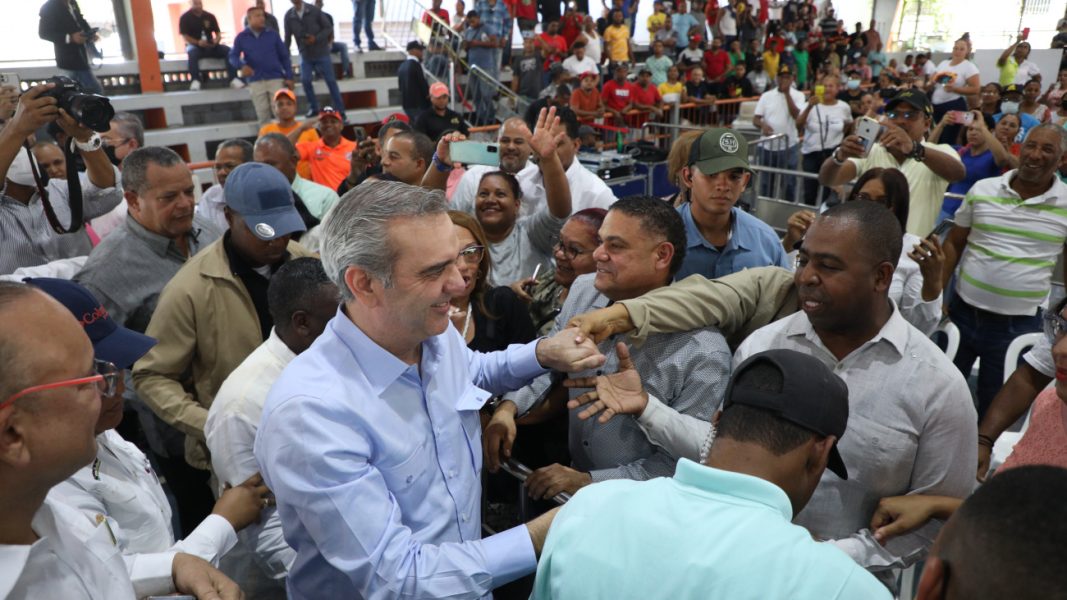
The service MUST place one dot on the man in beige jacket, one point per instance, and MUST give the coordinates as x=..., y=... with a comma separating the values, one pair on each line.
x=213, y=313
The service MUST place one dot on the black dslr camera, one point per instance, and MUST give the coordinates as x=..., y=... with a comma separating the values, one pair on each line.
x=92, y=110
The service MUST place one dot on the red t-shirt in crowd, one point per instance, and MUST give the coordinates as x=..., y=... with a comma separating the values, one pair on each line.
x=616, y=96
x=648, y=96
x=441, y=14
x=570, y=28
x=716, y=63
x=555, y=41
x=523, y=9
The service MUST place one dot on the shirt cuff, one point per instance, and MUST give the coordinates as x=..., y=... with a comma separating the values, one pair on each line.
x=509, y=555
x=152, y=574
x=649, y=416
x=523, y=362
x=211, y=539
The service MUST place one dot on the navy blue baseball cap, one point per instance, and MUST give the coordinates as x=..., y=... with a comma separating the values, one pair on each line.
x=111, y=341
x=264, y=199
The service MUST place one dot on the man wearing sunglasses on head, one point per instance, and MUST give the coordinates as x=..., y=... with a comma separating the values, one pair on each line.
x=901, y=145
x=51, y=390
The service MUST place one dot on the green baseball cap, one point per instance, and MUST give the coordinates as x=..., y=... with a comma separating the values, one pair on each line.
x=719, y=149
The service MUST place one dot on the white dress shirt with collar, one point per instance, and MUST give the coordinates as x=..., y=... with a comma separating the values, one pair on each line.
x=121, y=487
x=230, y=429
x=64, y=564
x=911, y=430
x=211, y=206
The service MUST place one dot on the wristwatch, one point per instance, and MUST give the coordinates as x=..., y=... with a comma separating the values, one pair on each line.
x=918, y=151
x=837, y=161
x=95, y=143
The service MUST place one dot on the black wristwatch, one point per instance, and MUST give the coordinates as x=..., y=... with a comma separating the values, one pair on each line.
x=918, y=151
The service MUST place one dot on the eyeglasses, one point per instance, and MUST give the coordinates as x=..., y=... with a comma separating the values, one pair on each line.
x=907, y=115
x=106, y=380
x=1055, y=326
x=883, y=200
x=472, y=255
x=568, y=252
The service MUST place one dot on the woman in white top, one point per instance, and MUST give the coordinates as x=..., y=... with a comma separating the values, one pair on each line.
x=954, y=79
x=594, y=45
x=517, y=245
x=824, y=122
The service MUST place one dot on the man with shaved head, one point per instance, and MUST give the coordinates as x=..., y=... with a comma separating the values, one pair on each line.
x=50, y=389
x=514, y=141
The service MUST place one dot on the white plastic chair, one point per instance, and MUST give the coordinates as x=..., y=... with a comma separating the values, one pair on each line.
x=953, y=335
x=1007, y=440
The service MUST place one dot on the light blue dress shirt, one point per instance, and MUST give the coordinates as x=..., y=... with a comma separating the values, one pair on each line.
x=375, y=465
x=705, y=533
x=752, y=244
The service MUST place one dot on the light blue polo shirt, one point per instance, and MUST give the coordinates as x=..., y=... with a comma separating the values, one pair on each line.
x=752, y=244
x=705, y=533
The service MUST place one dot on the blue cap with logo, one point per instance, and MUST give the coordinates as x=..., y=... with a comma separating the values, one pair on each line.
x=264, y=199
x=111, y=341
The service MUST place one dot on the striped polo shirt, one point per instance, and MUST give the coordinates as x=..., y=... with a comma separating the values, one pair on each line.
x=1013, y=245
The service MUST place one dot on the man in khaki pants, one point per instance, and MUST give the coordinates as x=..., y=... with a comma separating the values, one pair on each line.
x=263, y=61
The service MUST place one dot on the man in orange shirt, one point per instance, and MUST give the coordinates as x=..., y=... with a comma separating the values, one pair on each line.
x=285, y=123
x=330, y=156
x=586, y=101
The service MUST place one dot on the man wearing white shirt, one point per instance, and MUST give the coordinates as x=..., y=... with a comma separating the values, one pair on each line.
x=587, y=190
x=776, y=113
x=578, y=63
x=119, y=487
x=228, y=156
x=50, y=405
x=915, y=436
x=301, y=299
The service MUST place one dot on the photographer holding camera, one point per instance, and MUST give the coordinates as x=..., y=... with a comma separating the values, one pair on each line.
x=62, y=24
x=26, y=234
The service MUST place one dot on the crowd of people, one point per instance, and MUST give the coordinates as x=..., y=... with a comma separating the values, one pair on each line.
x=309, y=382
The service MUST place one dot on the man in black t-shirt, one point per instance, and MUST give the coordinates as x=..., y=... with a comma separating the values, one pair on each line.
x=527, y=75
x=439, y=119
x=200, y=30
x=736, y=84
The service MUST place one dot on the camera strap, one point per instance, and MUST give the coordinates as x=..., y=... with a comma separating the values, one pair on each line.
x=74, y=192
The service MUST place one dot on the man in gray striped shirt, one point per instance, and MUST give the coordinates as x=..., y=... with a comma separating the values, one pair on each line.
x=26, y=236
x=643, y=247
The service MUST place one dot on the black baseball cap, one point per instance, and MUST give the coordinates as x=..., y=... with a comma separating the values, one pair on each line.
x=914, y=98
x=111, y=341
x=811, y=397
x=1011, y=89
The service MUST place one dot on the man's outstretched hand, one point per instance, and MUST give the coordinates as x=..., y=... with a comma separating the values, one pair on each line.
x=616, y=394
x=602, y=323
x=566, y=352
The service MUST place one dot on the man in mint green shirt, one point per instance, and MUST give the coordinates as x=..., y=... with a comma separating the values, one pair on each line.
x=279, y=152
x=721, y=529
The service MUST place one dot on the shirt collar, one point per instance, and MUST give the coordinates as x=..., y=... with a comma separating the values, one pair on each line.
x=278, y=348
x=1055, y=192
x=736, y=485
x=895, y=331
x=158, y=243
x=739, y=238
x=380, y=367
x=13, y=558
